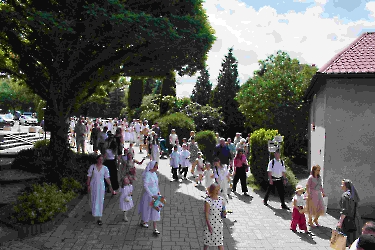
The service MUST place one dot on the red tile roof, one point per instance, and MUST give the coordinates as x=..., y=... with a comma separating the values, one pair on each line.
x=358, y=57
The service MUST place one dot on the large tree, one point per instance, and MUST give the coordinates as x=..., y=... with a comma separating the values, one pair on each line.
x=202, y=88
x=135, y=93
x=223, y=95
x=272, y=99
x=64, y=50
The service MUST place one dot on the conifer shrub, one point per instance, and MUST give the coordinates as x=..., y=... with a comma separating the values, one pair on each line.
x=206, y=142
x=180, y=122
x=259, y=159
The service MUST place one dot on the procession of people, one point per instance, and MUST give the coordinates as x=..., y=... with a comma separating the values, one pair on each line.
x=115, y=172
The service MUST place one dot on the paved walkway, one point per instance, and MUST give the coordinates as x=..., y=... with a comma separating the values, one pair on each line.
x=251, y=225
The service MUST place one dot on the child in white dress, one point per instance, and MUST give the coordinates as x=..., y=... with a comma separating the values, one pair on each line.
x=209, y=177
x=198, y=169
x=126, y=200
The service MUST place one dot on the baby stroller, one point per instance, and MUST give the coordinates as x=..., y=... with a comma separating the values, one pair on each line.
x=163, y=148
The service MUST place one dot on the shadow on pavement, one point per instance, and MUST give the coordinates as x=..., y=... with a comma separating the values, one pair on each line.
x=282, y=213
x=322, y=232
x=306, y=237
x=182, y=218
x=243, y=198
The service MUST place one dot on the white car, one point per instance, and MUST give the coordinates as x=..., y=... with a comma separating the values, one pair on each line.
x=8, y=118
x=28, y=120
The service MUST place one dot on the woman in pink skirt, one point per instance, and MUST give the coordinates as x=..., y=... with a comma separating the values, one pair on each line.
x=151, y=191
x=315, y=192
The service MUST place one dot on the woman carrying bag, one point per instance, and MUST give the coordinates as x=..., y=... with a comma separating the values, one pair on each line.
x=350, y=222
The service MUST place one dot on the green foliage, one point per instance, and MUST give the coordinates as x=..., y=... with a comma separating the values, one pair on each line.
x=259, y=155
x=180, y=122
x=205, y=117
x=259, y=159
x=41, y=204
x=65, y=50
x=15, y=95
x=273, y=98
x=202, y=88
x=69, y=184
x=206, y=141
x=41, y=144
x=224, y=93
x=150, y=116
x=148, y=86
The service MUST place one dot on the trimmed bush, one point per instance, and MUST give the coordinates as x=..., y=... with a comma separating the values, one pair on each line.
x=206, y=141
x=41, y=144
x=150, y=116
x=259, y=159
x=180, y=122
x=41, y=204
x=69, y=184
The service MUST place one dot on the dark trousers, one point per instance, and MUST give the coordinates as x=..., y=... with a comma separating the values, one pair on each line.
x=112, y=168
x=184, y=170
x=240, y=175
x=280, y=189
x=174, y=173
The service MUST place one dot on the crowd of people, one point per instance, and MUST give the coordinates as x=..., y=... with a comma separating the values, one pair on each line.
x=116, y=165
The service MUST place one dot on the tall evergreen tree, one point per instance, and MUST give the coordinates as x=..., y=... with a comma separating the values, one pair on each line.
x=224, y=93
x=135, y=93
x=202, y=88
x=148, y=86
x=168, y=88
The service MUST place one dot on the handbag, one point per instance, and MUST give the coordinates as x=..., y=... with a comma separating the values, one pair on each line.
x=338, y=240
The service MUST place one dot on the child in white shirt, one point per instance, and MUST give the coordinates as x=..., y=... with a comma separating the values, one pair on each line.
x=298, y=215
x=174, y=162
x=184, y=160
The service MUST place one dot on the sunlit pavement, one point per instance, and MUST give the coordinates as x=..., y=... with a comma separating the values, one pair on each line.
x=251, y=225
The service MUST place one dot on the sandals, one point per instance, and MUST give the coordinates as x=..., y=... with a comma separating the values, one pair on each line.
x=100, y=222
x=156, y=232
x=145, y=225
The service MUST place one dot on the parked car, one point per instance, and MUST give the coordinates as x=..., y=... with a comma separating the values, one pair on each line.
x=28, y=120
x=2, y=122
x=28, y=114
x=8, y=118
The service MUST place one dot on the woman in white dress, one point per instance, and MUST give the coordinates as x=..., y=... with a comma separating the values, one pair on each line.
x=213, y=208
x=95, y=187
x=151, y=192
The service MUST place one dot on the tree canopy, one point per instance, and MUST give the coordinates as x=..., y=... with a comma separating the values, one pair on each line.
x=64, y=50
x=272, y=99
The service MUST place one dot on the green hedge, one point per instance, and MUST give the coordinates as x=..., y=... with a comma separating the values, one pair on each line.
x=150, y=116
x=206, y=141
x=259, y=158
x=180, y=122
x=41, y=204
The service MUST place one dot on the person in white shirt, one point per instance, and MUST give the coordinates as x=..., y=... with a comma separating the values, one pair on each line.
x=298, y=215
x=137, y=127
x=174, y=162
x=109, y=125
x=276, y=177
x=184, y=160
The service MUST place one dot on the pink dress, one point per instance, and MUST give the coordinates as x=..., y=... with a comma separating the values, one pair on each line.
x=315, y=205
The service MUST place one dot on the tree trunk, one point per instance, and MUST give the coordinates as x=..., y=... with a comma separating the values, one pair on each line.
x=59, y=146
x=168, y=88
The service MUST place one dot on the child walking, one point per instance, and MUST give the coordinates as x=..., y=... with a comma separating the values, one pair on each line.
x=198, y=169
x=209, y=177
x=175, y=162
x=298, y=215
x=126, y=201
x=184, y=160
